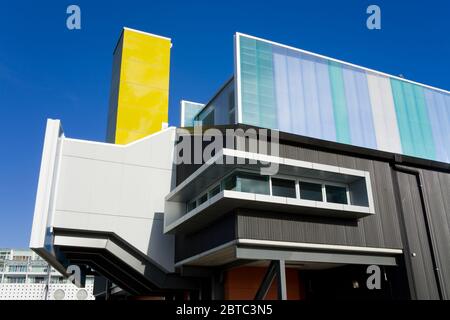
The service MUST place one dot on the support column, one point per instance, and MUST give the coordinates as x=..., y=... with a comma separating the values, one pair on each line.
x=276, y=269
x=281, y=280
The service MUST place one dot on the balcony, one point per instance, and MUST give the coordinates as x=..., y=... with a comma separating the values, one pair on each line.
x=221, y=186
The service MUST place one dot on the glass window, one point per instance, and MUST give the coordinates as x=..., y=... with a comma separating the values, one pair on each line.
x=39, y=269
x=17, y=268
x=202, y=199
x=15, y=280
x=283, y=188
x=310, y=191
x=230, y=182
x=37, y=280
x=191, y=205
x=252, y=183
x=214, y=191
x=209, y=119
x=247, y=182
x=336, y=194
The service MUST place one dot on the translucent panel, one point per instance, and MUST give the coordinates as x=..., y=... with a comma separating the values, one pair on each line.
x=339, y=103
x=305, y=94
x=383, y=111
x=188, y=112
x=283, y=188
x=362, y=132
x=336, y=194
x=414, y=125
x=439, y=115
x=310, y=191
x=257, y=84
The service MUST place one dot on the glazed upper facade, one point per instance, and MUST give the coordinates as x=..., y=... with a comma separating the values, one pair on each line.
x=303, y=93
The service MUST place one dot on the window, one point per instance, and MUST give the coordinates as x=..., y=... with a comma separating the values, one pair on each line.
x=209, y=119
x=336, y=194
x=310, y=191
x=37, y=280
x=15, y=280
x=17, y=268
x=39, y=268
x=202, y=199
x=252, y=183
x=229, y=183
x=57, y=280
x=191, y=205
x=280, y=186
x=214, y=191
x=283, y=188
x=20, y=258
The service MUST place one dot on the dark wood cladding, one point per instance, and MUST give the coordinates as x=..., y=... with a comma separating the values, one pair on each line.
x=412, y=212
x=379, y=230
x=426, y=216
x=218, y=233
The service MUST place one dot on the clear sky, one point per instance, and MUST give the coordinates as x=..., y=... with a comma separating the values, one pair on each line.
x=47, y=71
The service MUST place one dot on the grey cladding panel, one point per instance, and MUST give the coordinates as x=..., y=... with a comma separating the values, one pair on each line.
x=380, y=230
x=424, y=280
x=438, y=197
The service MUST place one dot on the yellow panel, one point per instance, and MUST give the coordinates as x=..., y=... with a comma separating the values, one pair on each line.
x=143, y=98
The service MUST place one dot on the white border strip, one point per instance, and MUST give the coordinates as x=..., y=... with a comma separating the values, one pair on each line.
x=339, y=61
x=183, y=110
x=265, y=158
x=318, y=246
x=147, y=33
x=205, y=253
x=237, y=79
x=296, y=245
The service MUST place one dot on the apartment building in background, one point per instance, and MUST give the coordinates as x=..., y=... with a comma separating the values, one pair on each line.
x=24, y=275
x=362, y=179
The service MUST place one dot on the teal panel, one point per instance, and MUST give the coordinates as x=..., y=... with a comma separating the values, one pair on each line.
x=339, y=103
x=427, y=149
x=414, y=126
x=257, y=84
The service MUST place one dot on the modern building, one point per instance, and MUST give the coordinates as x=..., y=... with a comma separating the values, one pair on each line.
x=303, y=177
x=24, y=275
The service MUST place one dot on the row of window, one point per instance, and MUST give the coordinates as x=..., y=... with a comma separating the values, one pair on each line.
x=298, y=188
x=53, y=280
x=22, y=268
x=18, y=268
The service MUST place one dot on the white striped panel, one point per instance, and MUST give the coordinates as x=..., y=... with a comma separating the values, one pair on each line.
x=383, y=111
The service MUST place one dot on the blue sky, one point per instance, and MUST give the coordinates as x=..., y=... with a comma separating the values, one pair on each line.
x=47, y=71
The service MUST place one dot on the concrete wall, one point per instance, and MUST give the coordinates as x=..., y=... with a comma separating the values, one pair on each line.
x=116, y=189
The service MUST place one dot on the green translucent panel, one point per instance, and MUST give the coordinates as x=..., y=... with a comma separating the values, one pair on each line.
x=258, y=99
x=425, y=124
x=414, y=126
x=339, y=103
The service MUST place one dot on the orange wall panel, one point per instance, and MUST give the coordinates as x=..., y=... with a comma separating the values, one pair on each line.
x=242, y=284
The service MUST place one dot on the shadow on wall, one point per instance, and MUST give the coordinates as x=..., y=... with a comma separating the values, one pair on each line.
x=161, y=247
